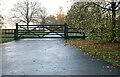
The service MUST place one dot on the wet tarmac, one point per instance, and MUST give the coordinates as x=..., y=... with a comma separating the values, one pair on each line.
x=50, y=57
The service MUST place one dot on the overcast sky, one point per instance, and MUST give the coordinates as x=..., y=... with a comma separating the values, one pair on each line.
x=52, y=6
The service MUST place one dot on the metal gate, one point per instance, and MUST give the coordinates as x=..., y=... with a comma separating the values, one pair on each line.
x=40, y=31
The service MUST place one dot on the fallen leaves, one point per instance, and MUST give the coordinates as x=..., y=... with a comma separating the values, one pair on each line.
x=102, y=49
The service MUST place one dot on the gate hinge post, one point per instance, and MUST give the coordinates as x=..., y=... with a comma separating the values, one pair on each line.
x=16, y=32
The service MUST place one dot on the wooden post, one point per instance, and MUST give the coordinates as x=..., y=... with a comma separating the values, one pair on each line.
x=16, y=32
x=84, y=35
x=27, y=26
x=65, y=30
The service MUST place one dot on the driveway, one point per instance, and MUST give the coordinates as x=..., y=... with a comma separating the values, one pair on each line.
x=50, y=57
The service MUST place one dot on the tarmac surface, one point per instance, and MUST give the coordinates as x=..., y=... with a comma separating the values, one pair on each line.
x=50, y=57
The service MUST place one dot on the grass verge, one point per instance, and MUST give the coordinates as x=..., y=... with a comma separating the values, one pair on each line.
x=104, y=50
x=3, y=40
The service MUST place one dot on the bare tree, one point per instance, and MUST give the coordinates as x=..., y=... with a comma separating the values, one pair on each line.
x=51, y=19
x=26, y=11
x=1, y=19
x=41, y=16
x=60, y=16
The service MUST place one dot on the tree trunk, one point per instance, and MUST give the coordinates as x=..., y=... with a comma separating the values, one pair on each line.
x=113, y=4
x=27, y=24
x=27, y=17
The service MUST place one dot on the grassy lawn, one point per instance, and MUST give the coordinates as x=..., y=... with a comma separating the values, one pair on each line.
x=104, y=50
x=75, y=34
x=3, y=40
x=10, y=38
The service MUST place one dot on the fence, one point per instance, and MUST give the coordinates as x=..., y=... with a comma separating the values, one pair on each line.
x=8, y=33
x=63, y=30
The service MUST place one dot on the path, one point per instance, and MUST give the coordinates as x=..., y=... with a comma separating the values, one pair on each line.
x=50, y=57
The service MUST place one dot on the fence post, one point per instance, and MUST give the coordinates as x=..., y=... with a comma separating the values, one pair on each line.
x=27, y=25
x=16, y=32
x=65, y=30
x=84, y=35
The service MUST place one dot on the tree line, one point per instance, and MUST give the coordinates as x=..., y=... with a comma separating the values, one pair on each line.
x=1, y=18
x=100, y=19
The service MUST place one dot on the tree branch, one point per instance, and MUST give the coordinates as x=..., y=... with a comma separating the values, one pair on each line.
x=117, y=4
x=102, y=7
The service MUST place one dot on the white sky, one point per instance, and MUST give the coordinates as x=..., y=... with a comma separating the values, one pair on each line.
x=52, y=6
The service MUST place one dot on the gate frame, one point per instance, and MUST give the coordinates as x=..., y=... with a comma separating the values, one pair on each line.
x=65, y=31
